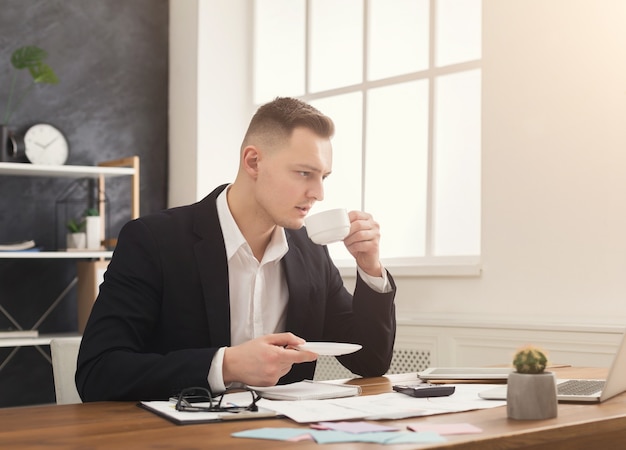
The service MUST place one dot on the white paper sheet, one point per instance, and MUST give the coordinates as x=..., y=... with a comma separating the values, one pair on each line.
x=382, y=406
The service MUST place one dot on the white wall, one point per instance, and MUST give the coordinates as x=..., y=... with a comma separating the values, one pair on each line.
x=554, y=173
x=554, y=169
x=209, y=94
x=183, y=101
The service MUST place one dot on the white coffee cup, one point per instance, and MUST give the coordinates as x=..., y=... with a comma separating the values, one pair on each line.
x=328, y=226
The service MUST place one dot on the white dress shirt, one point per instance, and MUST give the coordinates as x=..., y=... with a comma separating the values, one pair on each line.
x=258, y=290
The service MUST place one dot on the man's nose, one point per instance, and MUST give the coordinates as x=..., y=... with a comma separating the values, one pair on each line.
x=317, y=191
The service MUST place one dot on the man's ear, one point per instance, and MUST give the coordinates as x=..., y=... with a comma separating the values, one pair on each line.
x=250, y=159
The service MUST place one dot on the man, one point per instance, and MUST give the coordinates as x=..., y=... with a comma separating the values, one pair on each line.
x=221, y=291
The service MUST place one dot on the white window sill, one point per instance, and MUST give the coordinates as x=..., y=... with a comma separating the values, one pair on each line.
x=441, y=266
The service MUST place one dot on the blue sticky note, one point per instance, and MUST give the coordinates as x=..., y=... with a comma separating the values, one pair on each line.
x=332, y=436
x=382, y=437
x=426, y=437
x=278, y=434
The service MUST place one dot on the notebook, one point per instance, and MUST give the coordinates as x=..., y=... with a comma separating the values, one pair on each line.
x=307, y=390
x=583, y=390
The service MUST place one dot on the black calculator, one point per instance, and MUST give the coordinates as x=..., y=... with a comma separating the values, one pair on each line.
x=424, y=390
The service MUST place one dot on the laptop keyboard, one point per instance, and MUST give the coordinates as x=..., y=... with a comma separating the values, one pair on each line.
x=580, y=387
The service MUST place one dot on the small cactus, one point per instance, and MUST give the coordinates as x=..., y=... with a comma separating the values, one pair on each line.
x=530, y=360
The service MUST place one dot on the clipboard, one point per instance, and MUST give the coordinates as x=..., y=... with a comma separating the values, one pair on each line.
x=167, y=410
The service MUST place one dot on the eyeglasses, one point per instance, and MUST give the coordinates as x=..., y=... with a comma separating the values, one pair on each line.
x=189, y=396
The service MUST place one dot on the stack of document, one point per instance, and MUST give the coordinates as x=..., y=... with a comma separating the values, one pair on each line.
x=388, y=406
x=300, y=391
x=307, y=390
x=392, y=405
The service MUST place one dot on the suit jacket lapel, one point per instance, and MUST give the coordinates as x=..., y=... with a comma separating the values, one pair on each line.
x=213, y=269
x=298, y=283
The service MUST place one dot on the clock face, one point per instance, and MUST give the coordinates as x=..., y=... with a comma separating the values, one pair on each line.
x=44, y=144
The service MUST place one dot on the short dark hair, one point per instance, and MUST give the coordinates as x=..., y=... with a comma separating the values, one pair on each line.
x=274, y=122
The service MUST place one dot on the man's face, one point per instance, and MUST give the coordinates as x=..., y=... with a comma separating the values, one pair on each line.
x=290, y=178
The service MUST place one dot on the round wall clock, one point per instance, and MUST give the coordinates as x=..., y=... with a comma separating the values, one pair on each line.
x=45, y=144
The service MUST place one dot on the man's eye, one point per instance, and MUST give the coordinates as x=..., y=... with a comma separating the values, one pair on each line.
x=304, y=174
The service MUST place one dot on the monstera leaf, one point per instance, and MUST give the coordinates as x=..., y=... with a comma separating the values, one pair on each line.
x=31, y=58
x=25, y=57
x=43, y=73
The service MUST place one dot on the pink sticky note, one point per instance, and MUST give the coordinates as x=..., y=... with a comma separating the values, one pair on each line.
x=302, y=437
x=445, y=428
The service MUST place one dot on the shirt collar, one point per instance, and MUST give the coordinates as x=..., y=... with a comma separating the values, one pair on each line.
x=234, y=240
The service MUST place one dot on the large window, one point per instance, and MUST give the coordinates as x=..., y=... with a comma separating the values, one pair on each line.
x=401, y=79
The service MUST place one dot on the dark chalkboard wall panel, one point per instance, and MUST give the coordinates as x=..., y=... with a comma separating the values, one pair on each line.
x=111, y=57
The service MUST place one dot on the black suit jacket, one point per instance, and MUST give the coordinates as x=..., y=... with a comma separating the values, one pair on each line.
x=163, y=308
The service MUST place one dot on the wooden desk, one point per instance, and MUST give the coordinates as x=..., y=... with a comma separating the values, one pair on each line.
x=124, y=425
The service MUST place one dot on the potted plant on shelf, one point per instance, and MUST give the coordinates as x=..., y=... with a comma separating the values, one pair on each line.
x=531, y=391
x=76, y=236
x=31, y=58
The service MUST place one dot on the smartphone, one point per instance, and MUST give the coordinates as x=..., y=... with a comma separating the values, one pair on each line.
x=424, y=390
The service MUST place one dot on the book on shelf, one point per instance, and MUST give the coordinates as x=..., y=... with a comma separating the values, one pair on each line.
x=18, y=246
x=12, y=333
x=27, y=250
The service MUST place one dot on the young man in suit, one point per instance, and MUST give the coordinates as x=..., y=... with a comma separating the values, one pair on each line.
x=220, y=291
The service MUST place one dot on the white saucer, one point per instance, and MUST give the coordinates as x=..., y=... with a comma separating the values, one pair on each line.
x=329, y=348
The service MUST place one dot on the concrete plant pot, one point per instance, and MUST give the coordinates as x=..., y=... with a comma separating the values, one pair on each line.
x=531, y=396
x=76, y=240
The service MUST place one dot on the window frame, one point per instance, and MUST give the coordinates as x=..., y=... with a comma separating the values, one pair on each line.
x=428, y=265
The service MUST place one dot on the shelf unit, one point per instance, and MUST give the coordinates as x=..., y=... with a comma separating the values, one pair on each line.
x=38, y=170
x=44, y=339
x=56, y=255
x=105, y=170
x=108, y=169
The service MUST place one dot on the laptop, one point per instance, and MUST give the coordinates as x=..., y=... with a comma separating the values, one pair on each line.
x=465, y=373
x=583, y=390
